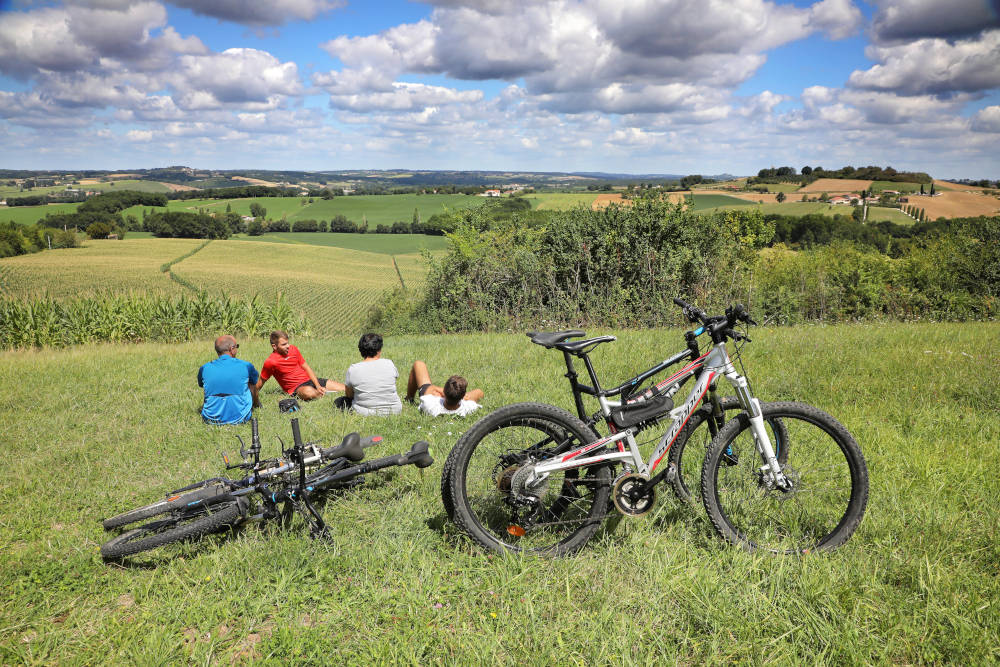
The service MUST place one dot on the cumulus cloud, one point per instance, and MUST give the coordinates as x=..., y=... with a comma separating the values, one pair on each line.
x=987, y=120
x=404, y=97
x=74, y=38
x=934, y=66
x=259, y=14
x=237, y=76
x=915, y=19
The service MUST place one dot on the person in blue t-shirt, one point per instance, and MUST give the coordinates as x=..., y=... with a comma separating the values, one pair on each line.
x=230, y=385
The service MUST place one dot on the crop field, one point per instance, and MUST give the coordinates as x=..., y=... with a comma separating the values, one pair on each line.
x=334, y=287
x=100, y=267
x=957, y=203
x=27, y=215
x=386, y=244
x=396, y=582
x=559, y=201
x=702, y=202
x=879, y=186
x=838, y=185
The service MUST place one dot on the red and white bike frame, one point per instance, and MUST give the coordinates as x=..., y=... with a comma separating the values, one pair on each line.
x=624, y=448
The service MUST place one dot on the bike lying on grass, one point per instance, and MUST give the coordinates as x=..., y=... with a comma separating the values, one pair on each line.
x=283, y=485
x=784, y=477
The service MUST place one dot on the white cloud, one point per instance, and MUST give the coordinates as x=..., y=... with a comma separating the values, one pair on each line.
x=934, y=66
x=139, y=135
x=240, y=77
x=987, y=120
x=914, y=19
x=267, y=13
x=405, y=97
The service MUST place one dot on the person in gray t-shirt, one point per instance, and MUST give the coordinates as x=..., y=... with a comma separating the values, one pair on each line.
x=371, y=383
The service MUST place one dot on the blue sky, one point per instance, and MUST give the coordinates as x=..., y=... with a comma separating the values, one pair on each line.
x=636, y=86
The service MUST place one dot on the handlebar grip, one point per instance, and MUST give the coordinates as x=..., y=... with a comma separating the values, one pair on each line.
x=419, y=455
x=681, y=302
x=296, y=434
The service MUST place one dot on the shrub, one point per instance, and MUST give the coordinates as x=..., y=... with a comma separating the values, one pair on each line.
x=98, y=230
x=277, y=226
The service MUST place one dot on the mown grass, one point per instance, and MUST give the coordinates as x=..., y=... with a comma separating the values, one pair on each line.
x=117, y=426
x=558, y=201
x=877, y=213
x=386, y=244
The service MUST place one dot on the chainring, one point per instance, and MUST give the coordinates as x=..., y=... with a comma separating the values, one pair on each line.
x=626, y=500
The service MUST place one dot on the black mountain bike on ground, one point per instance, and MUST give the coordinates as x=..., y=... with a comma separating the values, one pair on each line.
x=783, y=477
x=271, y=491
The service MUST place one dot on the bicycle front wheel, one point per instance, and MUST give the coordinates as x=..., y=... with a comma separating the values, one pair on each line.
x=688, y=453
x=825, y=469
x=558, y=516
x=171, y=529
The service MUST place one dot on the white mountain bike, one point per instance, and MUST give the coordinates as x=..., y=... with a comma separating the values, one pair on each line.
x=531, y=477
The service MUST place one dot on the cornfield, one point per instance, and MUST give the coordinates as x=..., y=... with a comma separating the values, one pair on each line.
x=132, y=318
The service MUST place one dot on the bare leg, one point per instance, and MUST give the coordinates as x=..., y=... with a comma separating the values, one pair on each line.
x=307, y=393
x=333, y=385
x=419, y=376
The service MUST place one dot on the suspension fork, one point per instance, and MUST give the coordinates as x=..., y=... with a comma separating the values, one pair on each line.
x=752, y=408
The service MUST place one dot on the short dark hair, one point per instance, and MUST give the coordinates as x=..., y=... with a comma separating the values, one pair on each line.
x=278, y=335
x=369, y=345
x=454, y=389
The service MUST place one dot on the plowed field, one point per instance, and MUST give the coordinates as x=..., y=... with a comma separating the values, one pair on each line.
x=957, y=204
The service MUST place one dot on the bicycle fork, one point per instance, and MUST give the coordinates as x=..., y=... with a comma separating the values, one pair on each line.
x=771, y=470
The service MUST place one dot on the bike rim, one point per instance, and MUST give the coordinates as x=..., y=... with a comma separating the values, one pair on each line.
x=807, y=517
x=566, y=502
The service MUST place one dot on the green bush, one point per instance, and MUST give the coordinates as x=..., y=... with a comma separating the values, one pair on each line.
x=98, y=230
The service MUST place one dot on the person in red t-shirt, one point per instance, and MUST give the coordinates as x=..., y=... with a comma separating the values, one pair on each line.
x=292, y=372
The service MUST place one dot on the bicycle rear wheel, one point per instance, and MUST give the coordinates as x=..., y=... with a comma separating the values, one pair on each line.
x=559, y=516
x=173, y=529
x=826, y=470
x=688, y=453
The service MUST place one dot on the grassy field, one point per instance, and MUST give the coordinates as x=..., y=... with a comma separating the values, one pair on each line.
x=386, y=244
x=787, y=208
x=27, y=215
x=877, y=213
x=332, y=286
x=702, y=202
x=558, y=201
x=118, y=427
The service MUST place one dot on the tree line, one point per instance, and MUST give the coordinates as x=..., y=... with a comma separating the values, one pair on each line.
x=809, y=174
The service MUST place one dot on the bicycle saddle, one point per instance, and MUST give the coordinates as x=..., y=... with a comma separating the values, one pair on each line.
x=578, y=346
x=548, y=339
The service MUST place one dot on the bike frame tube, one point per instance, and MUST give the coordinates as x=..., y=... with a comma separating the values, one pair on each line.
x=708, y=367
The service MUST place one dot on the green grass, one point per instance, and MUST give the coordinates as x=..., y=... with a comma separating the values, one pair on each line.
x=559, y=201
x=28, y=215
x=878, y=186
x=386, y=244
x=786, y=208
x=117, y=427
x=702, y=202
x=877, y=213
x=782, y=187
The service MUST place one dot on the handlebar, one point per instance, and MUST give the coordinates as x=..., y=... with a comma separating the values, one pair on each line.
x=720, y=327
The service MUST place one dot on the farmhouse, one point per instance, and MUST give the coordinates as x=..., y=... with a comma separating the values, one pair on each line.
x=491, y=193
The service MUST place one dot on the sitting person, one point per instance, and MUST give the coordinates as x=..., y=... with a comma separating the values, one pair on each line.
x=230, y=385
x=370, y=384
x=292, y=372
x=452, y=399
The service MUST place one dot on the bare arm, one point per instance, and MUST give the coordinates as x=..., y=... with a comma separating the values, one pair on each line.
x=474, y=395
x=253, y=392
x=312, y=376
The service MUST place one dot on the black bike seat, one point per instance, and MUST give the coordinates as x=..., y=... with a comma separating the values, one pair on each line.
x=578, y=346
x=549, y=338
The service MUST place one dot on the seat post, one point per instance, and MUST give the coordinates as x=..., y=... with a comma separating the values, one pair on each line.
x=572, y=376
